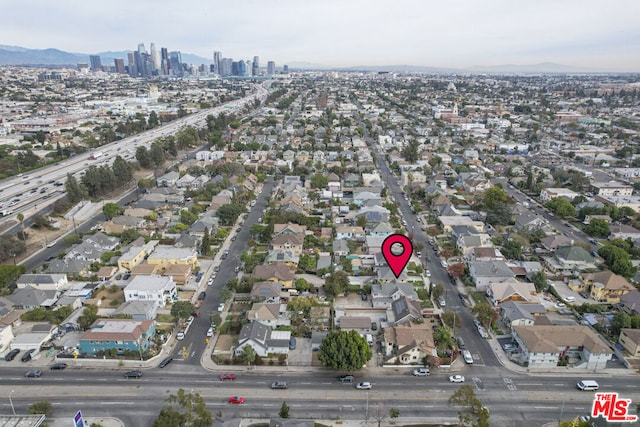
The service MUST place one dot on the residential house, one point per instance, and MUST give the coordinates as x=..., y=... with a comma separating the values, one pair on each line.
x=623, y=232
x=483, y=254
x=266, y=291
x=6, y=338
x=373, y=244
x=263, y=340
x=551, y=243
x=515, y=313
x=383, y=295
x=106, y=273
x=404, y=310
x=160, y=289
x=543, y=345
x=408, y=344
x=288, y=242
x=350, y=233
x=485, y=273
x=467, y=242
x=372, y=214
x=606, y=286
x=629, y=303
x=384, y=274
x=145, y=269
x=570, y=258
x=612, y=188
x=8, y=314
x=137, y=310
x=180, y=273
x=269, y=314
x=288, y=258
x=165, y=255
x=511, y=290
x=340, y=248
x=530, y=222
x=290, y=228
x=46, y=282
x=132, y=257
x=279, y=273
x=29, y=298
x=118, y=336
x=168, y=180
x=381, y=229
x=448, y=222
x=71, y=267
x=546, y=194
x=630, y=340
x=319, y=317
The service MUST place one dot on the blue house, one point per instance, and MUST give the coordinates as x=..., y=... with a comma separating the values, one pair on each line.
x=121, y=335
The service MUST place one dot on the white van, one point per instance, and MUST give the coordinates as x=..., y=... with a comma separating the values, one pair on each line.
x=587, y=385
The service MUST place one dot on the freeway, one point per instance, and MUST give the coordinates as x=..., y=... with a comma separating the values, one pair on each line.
x=194, y=343
x=21, y=193
x=513, y=399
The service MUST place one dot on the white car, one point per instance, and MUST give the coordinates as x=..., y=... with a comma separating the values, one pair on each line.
x=422, y=372
x=456, y=379
x=221, y=307
x=209, y=332
x=210, y=281
x=428, y=273
x=363, y=386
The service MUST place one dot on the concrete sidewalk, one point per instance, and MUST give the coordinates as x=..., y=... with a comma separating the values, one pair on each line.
x=103, y=421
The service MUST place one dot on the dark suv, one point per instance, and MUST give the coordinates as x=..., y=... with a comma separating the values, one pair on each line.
x=346, y=378
x=27, y=356
x=279, y=385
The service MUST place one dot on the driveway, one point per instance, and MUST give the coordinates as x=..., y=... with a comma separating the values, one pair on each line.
x=301, y=356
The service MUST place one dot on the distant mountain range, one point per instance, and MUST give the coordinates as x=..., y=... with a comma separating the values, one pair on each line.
x=16, y=55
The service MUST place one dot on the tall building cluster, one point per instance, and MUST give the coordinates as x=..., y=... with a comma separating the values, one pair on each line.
x=143, y=63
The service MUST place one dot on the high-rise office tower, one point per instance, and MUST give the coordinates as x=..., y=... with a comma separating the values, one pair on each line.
x=131, y=61
x=141, y=48
x=271, y=67
x=175, y=60
x=248, y=71
x=217, y=61
x=164, y=63
x=96, y=63
x=285, y=69
x=139, y=59
x=155, y=59
x=255, y=68
x=119, y=64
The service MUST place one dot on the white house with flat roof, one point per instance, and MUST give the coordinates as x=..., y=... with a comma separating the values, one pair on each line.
x=161, y=289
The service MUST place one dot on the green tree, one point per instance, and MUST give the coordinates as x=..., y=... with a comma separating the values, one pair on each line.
x=337, y=283
x=621, y=320
x=484, y=312
x=284, y=410
x=361, y=221
x=73, y=190
x=89, y=315
x=143, y=157
x=111, y=210
x=153, y=119
x=229, y=213
x=471, y=413
x=448, y=318
x=344, y=350
x=394, y=413
x=494, y=197
x=319, y=181
x=302, y=285
x=205, y=246
x=43, y=407
x=562, y=207
x=156, y=154
x=306, y=263
x=248, y=354
x=122, y=170
x=512, y=249
x=437, y=291
x=598, y=228
x=184, y=410
x=128, y=236
x=539, y=279
x=182, y=309
x=410, y=152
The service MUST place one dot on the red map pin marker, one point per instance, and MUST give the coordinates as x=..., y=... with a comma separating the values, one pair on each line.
x=397, y=262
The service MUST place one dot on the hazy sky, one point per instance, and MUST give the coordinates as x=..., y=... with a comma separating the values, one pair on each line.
x=458, y=33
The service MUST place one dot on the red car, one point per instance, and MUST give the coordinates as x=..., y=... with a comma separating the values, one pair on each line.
x=236, y=400
x=227, y=377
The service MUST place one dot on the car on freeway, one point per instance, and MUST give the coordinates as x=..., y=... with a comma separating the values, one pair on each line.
x=165, y=362
x=456, y=379
x=58, y=366
x=364, y=386
x=279, y=385
x=345, y=378
x=33, y=373
x=133, y=374
x=227, y=377
x=236, y=400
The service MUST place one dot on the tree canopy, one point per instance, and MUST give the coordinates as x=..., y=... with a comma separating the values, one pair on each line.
x=344, y=350
x=182, y=309
x=184, y=410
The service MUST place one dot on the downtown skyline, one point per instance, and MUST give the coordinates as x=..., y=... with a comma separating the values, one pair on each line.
x=579, y=34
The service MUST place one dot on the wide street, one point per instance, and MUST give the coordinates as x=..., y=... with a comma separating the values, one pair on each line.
x=513, y=399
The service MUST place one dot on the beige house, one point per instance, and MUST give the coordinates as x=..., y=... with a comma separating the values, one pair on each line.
x=409, y=343
x=630, y=340
x=606, y=286
x=165, y=255
x=134, y=256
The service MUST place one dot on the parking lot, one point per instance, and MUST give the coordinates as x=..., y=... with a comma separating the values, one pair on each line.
x=301, y=356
